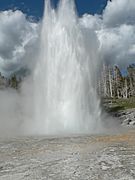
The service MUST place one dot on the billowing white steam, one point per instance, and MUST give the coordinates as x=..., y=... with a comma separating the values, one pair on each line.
x=60, y=96
x=65, y=97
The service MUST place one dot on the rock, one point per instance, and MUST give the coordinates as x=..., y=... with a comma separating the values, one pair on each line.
x=126, y=117
x=126, y=121
x=129, y=121
x=132, y=123
x=104, y=168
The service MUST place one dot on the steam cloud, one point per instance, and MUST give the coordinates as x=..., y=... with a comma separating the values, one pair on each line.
x=18, y=40
x=115, y=30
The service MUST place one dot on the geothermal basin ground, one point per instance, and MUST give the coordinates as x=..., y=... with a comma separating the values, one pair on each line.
x=93, y=157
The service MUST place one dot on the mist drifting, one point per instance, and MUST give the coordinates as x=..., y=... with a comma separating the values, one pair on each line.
x=63, y=53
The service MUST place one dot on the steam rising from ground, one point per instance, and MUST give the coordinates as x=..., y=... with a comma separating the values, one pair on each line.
x=65, y=76
x=76, y=42
x=9, y=113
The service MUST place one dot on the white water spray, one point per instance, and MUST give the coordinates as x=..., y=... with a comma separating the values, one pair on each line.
x=65, y=76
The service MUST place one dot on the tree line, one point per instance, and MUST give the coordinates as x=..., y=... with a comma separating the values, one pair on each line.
x=112, y=83
x=10, y=82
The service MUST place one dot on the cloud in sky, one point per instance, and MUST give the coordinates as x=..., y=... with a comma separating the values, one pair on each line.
x=115, y=29
x=117, y=44
x=17, y=40
x=118, y=12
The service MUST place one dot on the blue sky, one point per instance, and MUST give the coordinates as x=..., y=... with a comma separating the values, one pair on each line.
x=35, y=8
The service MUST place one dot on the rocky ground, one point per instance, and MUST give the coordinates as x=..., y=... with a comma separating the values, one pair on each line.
x=126, y=117
x=121, y=109
x=95, y=157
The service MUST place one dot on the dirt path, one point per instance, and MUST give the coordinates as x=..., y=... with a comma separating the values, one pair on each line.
x=106, y=157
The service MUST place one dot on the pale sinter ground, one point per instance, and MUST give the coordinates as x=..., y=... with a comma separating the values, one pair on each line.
x=95, y=157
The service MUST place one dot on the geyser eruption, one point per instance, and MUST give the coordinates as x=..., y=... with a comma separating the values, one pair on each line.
x=65, y=76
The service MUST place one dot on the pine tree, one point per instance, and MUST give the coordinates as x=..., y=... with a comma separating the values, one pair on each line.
x=14, y=82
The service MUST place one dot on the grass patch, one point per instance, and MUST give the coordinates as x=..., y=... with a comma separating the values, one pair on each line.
x=126, y=103
x=114, y=105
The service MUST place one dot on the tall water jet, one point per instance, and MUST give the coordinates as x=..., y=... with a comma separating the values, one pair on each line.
x=65, y=76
